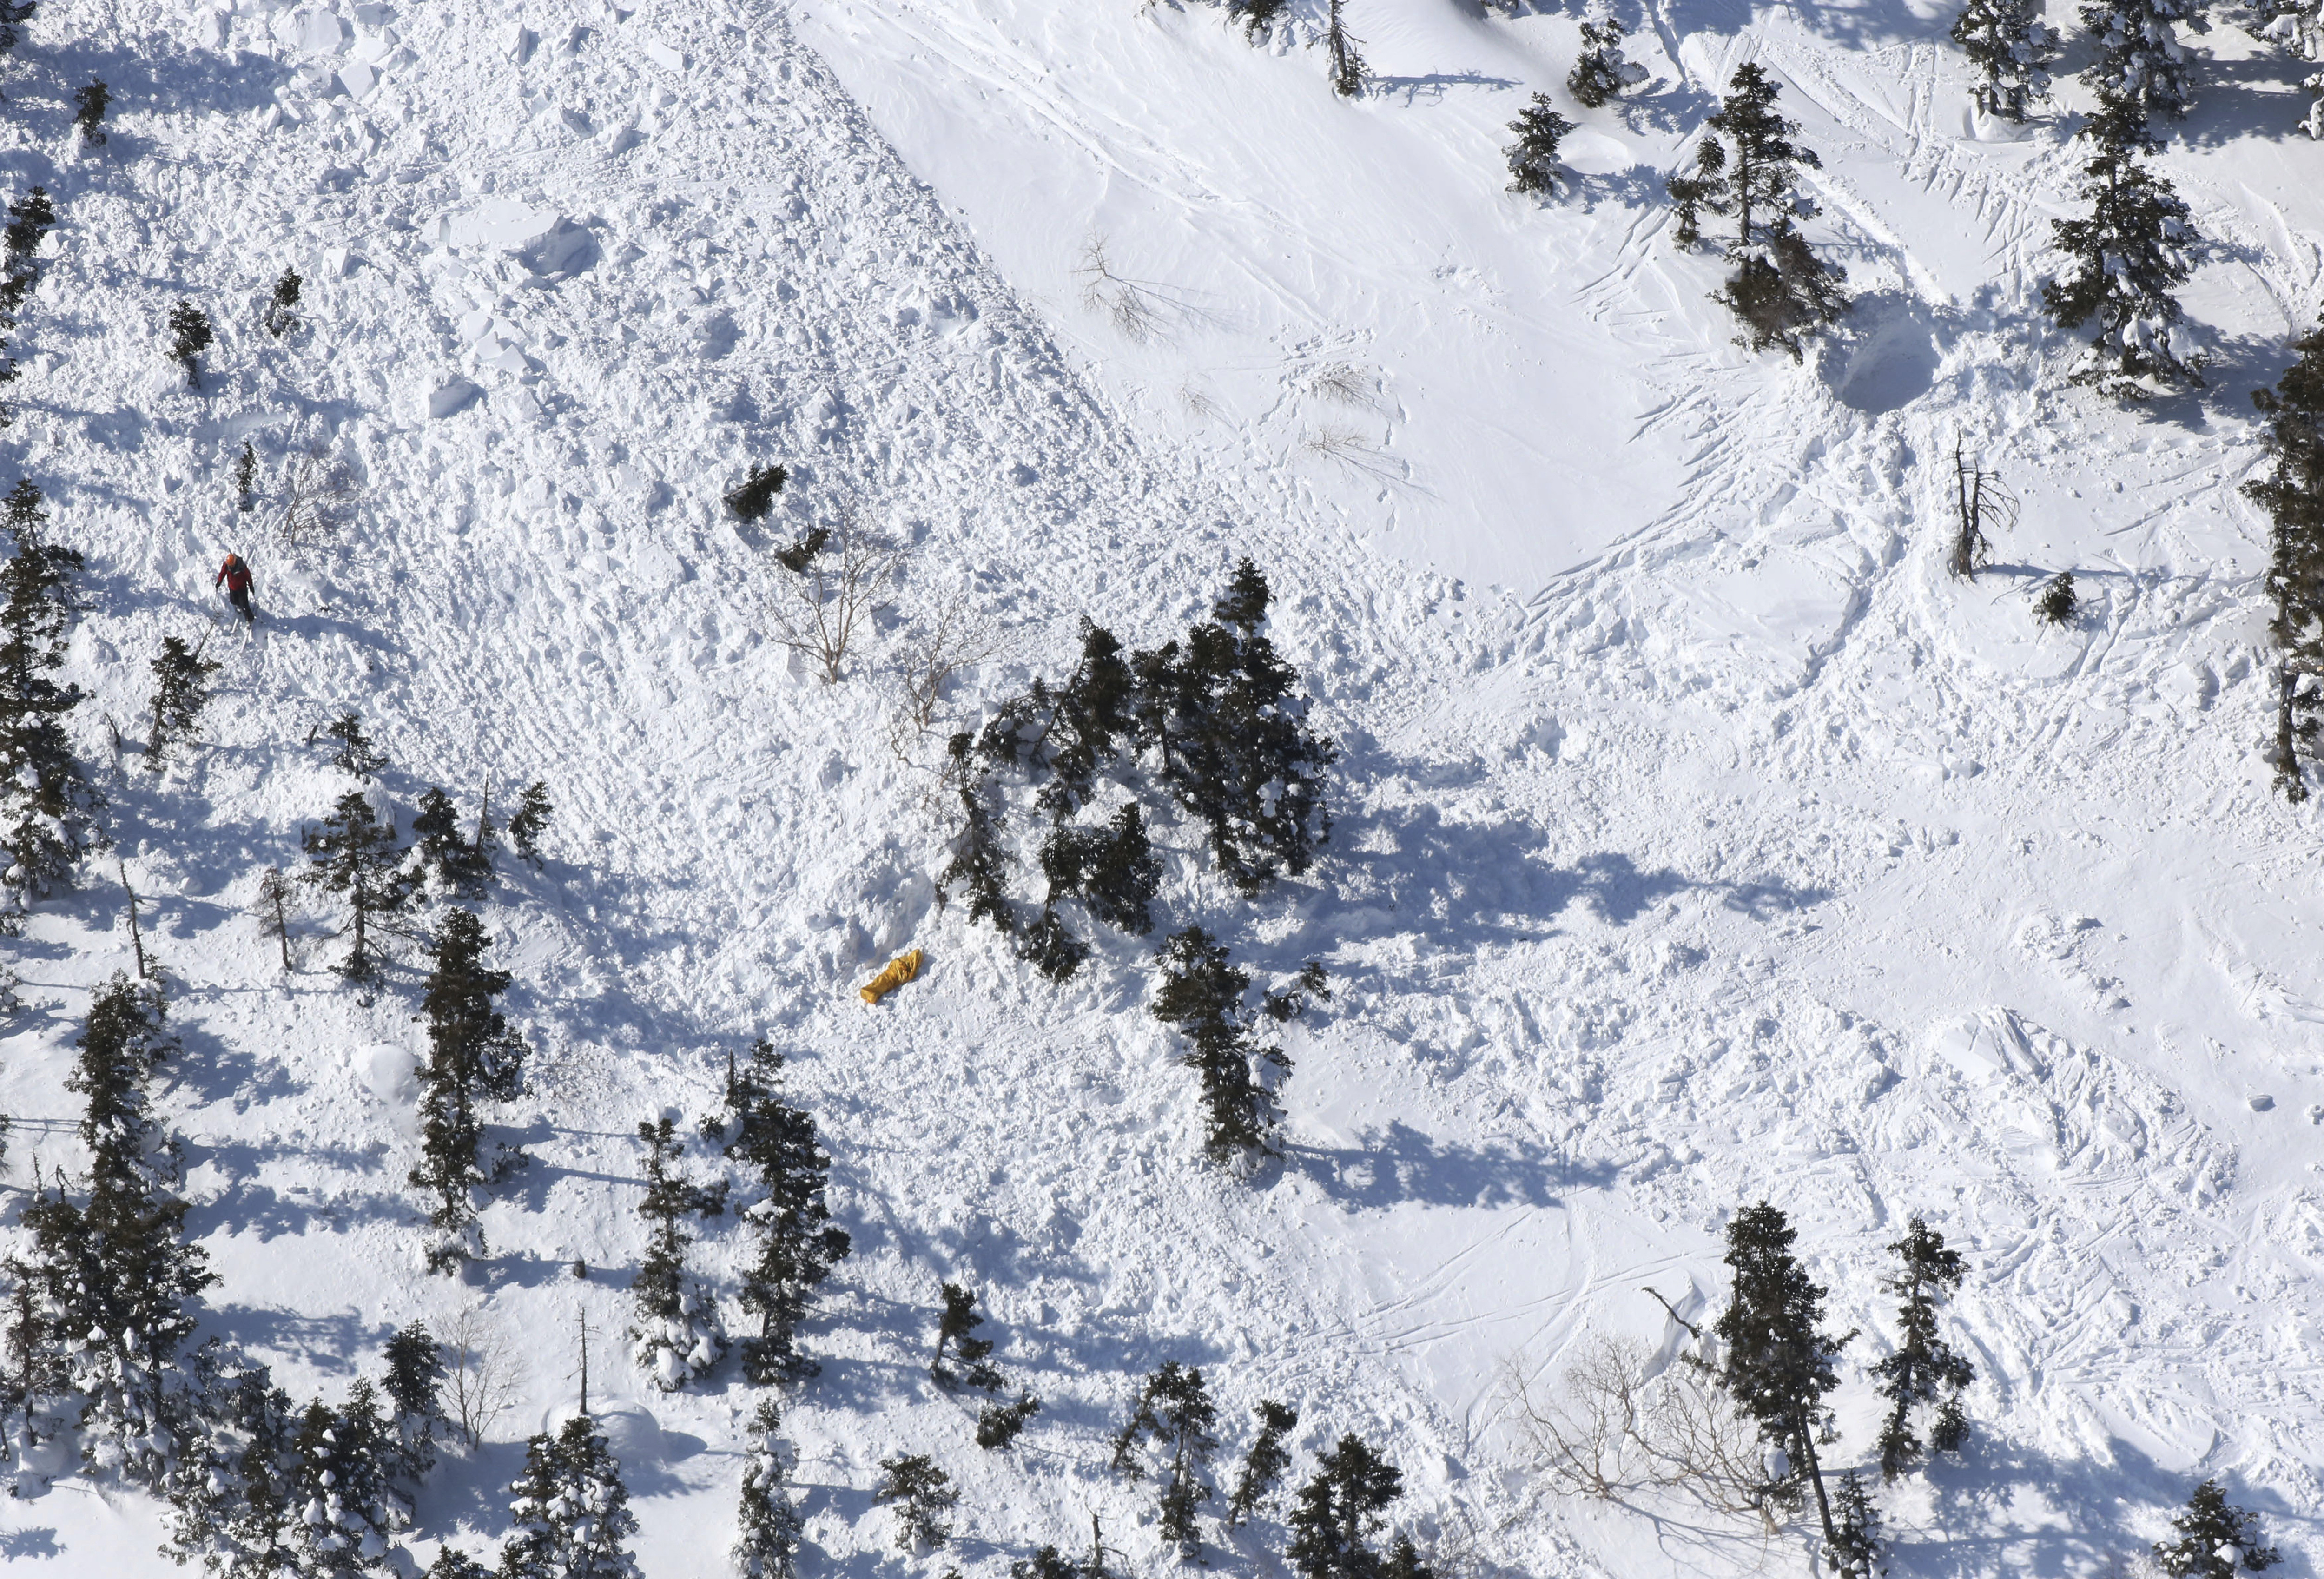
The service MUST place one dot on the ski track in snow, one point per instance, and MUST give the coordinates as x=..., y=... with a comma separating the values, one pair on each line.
x=1697, y=839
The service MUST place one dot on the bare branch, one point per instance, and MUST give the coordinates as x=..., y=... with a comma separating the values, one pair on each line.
x=482, y=1376
x=822, y=608
x=320, y=495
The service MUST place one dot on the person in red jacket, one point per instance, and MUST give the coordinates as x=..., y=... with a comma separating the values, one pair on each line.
x=236, y=574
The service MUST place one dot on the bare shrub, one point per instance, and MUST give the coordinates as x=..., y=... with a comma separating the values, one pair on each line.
x=482, y=1376
x=1617, y=1425
x=956, y=636
x=1699, y=1441
x=319, y=497
x=1344, y=383
x=822, y=609
x=1134, y=306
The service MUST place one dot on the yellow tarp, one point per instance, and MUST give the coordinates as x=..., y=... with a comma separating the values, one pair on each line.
x=900, y=969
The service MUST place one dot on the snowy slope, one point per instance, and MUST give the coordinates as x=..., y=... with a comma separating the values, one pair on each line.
x=1722, y=847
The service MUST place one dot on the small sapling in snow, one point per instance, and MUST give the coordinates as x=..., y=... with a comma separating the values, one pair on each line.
x=190, y=335
x=1533, y=157
x=461, y=867
x=181, y=689
x=1854, y=1550
x=926, y=1496
x=273, y=908
x=245, y=480
x=767, y=1545
x=960, y=1318
x=531, y=821
x=2058, y=604
x=354, y=753
x=754, y=495
x=282, y=314
x=88, y=112
x=801, y=553
x=998, y=1424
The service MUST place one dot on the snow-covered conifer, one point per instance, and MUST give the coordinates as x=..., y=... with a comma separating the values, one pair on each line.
x=1924, y=1369
x=46, y=808
x=2136, y=60
x=13, y=15
x=1779, y=1362
x=1257, y=15
x=2058, y=602
x=754, y=495
x=116, y=1278
x=190, y=335
x=1600, y=73
x=803, y=549
x=2009, y=42
x=181, y=689
x=460, y=865
x=766, y=1548
x=89, y=102
x=1348, y=67
x=570, y=1509
x=2123, y=262
x=1780, y=290
x=798, y=1246
x=354, y=752
x=414, y=1389
x=452, y=1563
x=2292, y=494
x=1231, y=740
x=1533, y=157
x=1264, y=1461
x=1047, y=1563
x=1339, y=1510
x=473, y=1058
x=29, y=222
x=353, y=853
x=1201, y=996
x=2216, y=1539
x=232, y=1489
x=531, y=821
x=925, y=1497
x=1112, y=870
x=342, y=1511
x=245, y=480
x=677, y=1335
x=282, y=314
x=1854, y=1552
x=959, y=1319
x=1174, y=1412
x=998, y=1424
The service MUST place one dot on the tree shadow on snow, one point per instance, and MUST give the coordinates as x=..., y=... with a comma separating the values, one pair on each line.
x=18, y=1544
x=1400, y=1164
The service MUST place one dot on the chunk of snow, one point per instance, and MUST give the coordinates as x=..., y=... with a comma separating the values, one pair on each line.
x=311, y=32
x=2261, y=1102
x=540, y=238
x=357, y=78
x=448, y=398
x=517, y=40
x=663, y=56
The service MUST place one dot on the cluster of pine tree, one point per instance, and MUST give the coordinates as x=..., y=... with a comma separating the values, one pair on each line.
x=29, y=223
x=2292, y=494
x=47, y=808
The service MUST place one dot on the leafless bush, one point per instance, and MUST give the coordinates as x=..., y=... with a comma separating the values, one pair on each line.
x=1134, y=306
x=1617, y=1425
x=822, y=609
x=320, y=496
x=958, y=636
x=1343, y=382
x=482, y=1376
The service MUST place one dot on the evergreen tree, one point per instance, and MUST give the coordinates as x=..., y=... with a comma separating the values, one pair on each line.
x=181, y=689
x=233, y=1490
x=1601, y=72
x=570, y=1509
x=2057, y=602
x=189, y=335
x=2292, y=494
x=531, y=821
x=354, y=753
x=355, y=854
x=1924, y=1369
x=676, y=1333
x=281, y=315
x=452, y=1563
x=2124, y=261
x=1779, y=1363
x=1780, y=289
x=2007, y=40
x=29, y=223
x=1174, y=1411
x=414, y=1389
x=751, y=499
x=959, y=1319
x=89, y=104
x=1348, y=67
x=1202, y=995
x=13, y=14
x=1231, y=740
x=797, y=1245
x=2136, y=59
x=473, y=1058
x=273, y=908
x=1404, y=1561
x=345, y=1510
x=116, y=1279
x=1264, y=1463
x=796, y=558
x=926, y=1495
x=1533, y=157
x=1257, y=15
x=1049, y=1563
x=768, y=1546
x=1855, y=1549
x=1064, y=738
x=46, y=809
x=1339, y=1510
x=998, y=1424
x=1112, y=870
x=245, y=480
x=2215, y=1540
x=460, y=866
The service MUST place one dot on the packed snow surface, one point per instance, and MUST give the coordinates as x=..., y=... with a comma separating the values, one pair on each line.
x=1696, y=838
